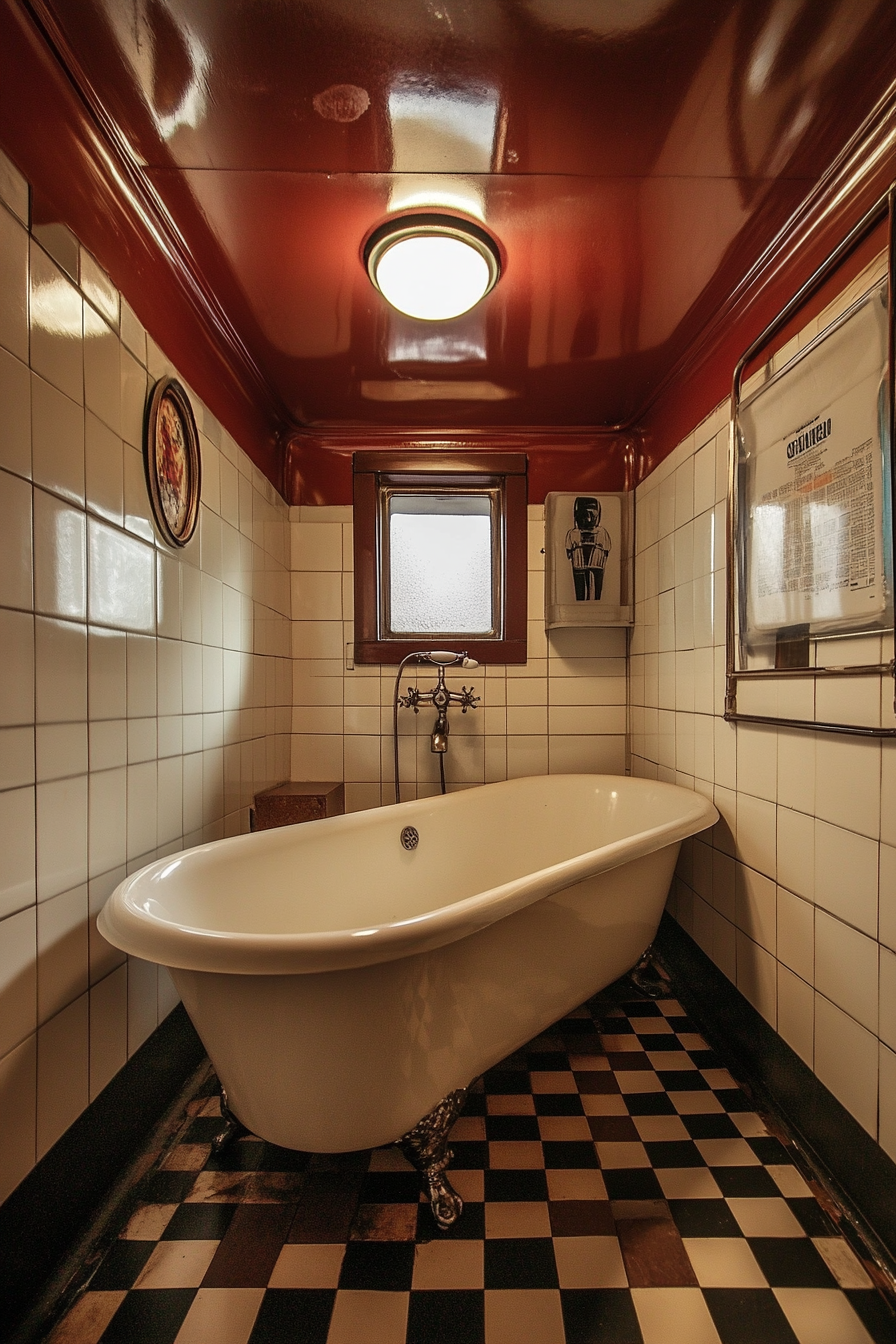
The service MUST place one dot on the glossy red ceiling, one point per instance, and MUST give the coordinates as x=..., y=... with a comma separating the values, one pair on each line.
x=634, y=158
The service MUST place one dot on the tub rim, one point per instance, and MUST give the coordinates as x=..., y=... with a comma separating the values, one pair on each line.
x=135, y=930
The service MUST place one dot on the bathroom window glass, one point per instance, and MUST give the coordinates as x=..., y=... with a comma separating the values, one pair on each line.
x=442, y=566
x=440, y=555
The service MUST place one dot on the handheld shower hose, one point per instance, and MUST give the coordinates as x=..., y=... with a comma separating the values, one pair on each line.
x=439, y=658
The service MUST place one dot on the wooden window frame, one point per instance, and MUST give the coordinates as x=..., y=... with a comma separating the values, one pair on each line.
x=441, y=470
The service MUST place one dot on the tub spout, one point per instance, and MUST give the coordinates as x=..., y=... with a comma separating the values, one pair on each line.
x=426, y=1148
x=439, y=741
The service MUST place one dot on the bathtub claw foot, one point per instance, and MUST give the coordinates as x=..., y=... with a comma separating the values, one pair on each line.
x=231, y=1128
x=426, y=1148
x=648, y=978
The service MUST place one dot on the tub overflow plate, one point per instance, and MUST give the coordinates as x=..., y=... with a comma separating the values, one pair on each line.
x=410, y=837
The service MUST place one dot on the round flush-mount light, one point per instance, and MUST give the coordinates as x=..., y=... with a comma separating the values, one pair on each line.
x=432, y=267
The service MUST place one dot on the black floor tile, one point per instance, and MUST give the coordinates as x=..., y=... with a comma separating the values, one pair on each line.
x=874, y=1313
x=748, y=1316
x=682, y=1080
x=512, y=1127
x=791, y=1262
x=547, y=1061
x=745, y=1182
x=558, y=1103
x=649, y=1103
x=387, y=1266
x=520, y=1262
x=704, y=1218
x=599, y=1316
x=706, y=1059
x=469, y=1155
x=683, y=1024
x=446, y=1317
x=390, y=1187
x=734, y=1100
x=122, y=1265
x=771, y=1152
x=475, y=1104
x=710, y=1127
x=632, y=1183
x=674, y=1153
x=812, y=1217
x=506, y=1082
x=151, y=1316
x=199, y=1222
x=515, y=1185
x=574, y=1154
x=293, y=1316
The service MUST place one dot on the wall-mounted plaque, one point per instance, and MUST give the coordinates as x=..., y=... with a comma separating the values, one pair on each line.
x=588, y=568
x=171, y=458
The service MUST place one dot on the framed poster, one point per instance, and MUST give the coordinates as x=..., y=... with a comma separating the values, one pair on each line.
x=811, y=487
x=172, y=463
x=588, y=559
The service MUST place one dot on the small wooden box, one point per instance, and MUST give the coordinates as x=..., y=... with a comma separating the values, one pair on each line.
x=290, y=803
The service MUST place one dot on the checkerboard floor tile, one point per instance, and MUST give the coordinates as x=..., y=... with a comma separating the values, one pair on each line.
x=619, y=1188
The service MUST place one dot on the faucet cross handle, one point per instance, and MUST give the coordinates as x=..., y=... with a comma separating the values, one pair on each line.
x=466, y=699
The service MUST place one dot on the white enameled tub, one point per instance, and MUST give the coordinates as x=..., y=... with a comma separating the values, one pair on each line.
x=342, y=984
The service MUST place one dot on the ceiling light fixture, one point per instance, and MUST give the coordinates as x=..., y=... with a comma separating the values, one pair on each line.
x=432, y=267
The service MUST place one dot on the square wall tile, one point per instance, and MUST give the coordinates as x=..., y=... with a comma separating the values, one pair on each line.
x=14, y=246
x=60, y=670
x=57, y=440
x=60, y=558
x=108, y=1029
x=62, y=1072
x=15, y=415
x=18, y=978
x=846, y=1061
x=846, y=964
x=62, y=951
x=57, y=326
x=846, y=871
x=16, y=580
x=796, y=1014
x=18, y=1106
x=61, y=836
x=17, y=868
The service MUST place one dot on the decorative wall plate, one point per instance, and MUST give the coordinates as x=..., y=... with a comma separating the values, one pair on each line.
x=171, y=458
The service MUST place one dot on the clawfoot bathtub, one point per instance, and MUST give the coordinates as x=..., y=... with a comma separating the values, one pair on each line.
x=349, y=975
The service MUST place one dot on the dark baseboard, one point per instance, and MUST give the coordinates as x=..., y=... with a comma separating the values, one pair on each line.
x=858, y=1167
x=45, y=1215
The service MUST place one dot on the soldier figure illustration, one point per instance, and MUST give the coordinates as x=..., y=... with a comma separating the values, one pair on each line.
x=588, y=545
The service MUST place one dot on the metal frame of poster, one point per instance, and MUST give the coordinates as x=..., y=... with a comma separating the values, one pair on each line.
x=810, y=516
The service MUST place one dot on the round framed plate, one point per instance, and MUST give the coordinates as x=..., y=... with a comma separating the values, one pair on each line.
x=171, y=458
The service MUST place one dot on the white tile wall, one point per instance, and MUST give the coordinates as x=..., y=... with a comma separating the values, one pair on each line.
x=793, y=894
x=144, y=693
x=563, y=711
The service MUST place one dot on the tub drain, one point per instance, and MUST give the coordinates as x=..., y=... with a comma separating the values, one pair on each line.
x=410, y=837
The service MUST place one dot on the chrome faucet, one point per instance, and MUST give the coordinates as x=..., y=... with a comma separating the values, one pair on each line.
x=439, y=697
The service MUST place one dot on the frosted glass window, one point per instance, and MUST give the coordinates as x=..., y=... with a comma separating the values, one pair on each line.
x=441, y=564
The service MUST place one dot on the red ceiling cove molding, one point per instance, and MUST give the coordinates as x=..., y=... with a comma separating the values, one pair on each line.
x=318, y=468
x=81, y=167
x=696, y=384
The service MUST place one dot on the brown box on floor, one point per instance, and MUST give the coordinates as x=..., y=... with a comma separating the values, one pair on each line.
x=293, y=802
